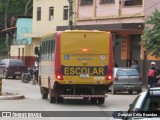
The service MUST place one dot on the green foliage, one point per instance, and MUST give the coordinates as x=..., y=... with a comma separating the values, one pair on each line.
x=16, y=8
x=151, y=36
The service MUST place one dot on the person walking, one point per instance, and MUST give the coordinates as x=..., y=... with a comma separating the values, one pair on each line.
x=115, y=64
x=135, y=65
x=152, y=80
x=36, y=64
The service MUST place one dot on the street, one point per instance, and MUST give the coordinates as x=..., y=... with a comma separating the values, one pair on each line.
x=33, y=101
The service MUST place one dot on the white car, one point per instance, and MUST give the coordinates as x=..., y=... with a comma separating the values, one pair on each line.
x=146, y=106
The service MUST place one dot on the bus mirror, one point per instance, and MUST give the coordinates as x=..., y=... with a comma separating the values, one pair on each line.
x=36, y=51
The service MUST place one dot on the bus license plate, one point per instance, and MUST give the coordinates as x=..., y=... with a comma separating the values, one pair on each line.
x=84, y=76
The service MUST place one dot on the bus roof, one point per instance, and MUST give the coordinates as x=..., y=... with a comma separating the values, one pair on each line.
x=71, y=31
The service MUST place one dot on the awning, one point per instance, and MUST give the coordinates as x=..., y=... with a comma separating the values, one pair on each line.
x=11, y=29
x=31, y=35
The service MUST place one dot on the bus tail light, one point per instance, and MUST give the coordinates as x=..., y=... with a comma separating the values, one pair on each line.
x=85, y=50
x=109, y=75
x=59, y=76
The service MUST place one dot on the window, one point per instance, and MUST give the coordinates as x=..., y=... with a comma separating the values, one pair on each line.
x=51, y=13
x=132, y=2
x=107, y=1
x=65, y=13
x=38, y=13
x=48, y=48
x=86, y=2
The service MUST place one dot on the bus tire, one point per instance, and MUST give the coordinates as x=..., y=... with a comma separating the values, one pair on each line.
x=101, y=100
x=93, y=100
x=59, y=99
x=51, y=98
x=44, y=93
x=130, y=92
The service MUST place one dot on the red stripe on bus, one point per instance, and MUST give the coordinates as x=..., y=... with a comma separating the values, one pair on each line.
x=57, y=54
x=110, y=63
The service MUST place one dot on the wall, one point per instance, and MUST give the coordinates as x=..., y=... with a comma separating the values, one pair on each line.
x=45, y=26
x=150, y=6
x=108, y=13
x=24, y=25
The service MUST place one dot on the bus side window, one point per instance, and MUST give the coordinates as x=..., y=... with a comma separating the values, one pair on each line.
x=53, y=49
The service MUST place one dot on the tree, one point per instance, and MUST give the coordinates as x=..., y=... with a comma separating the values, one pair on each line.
x=5, y=21
x=9, y=8
x=151, y=36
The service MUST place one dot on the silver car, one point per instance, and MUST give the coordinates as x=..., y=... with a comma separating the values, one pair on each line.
x=126, y=79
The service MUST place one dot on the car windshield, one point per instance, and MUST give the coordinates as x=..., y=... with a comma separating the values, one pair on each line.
x=152, y=103
x=16, y=63
x=127, y=72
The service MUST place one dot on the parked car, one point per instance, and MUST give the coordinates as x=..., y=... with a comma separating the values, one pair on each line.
x=12, y=67
x=126, y=79
x=145, y=106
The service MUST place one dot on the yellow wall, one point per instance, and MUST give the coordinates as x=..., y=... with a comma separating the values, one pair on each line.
x=27, y=50
x=45, y=26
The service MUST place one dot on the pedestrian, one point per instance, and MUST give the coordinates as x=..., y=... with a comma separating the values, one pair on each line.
x=152, y=72
x=36, y=64
x=115, y=64
x=135, y=64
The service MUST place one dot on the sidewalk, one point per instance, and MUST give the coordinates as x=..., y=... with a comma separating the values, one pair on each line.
x=11, y=96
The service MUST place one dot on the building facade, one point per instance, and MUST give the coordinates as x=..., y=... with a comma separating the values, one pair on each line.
x=124, y=18
x=47, y=15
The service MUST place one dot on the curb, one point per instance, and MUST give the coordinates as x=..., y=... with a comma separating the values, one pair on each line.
x=11, y=96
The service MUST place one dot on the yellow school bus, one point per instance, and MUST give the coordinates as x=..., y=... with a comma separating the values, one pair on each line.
x=75, y=64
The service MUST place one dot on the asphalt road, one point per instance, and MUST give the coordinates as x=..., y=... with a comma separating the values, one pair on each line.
x=33, y=102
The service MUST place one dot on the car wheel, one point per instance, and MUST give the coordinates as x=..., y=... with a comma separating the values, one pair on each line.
x=113, y=91
x=5, y=75
x=130, y=92
x=14, y=77
x=44, y=92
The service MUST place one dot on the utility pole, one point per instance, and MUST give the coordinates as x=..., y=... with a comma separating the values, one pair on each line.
x=70, y=26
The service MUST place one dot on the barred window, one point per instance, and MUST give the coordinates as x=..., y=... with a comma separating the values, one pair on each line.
x=51, y=13
x=47, y=50
x=65, y=13
x=132, y=2
x=86, y=2
x=38, y=13
x=107, y=1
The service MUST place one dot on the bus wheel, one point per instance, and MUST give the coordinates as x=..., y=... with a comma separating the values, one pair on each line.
x=101, y=100
x=130, y=92
x=44, y=93
x=51, y=99
x=93, y=100
x=59, y=99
